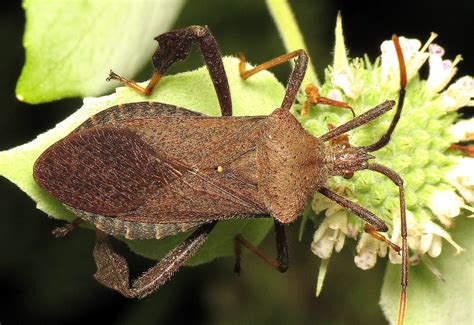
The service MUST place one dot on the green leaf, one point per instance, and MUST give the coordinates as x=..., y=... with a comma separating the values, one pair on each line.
x=71, y=45
x=259, y=95
x=430, y=300
x=321, y=275
x=341, y=60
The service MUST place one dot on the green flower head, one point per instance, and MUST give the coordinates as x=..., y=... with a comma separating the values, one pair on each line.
x=439, y=180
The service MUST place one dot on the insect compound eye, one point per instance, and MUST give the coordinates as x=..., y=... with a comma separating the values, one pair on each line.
x=348, y=175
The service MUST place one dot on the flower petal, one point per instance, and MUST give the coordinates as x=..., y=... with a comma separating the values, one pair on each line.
x=446, y=204
x=441, y=71
x=367, y=249
x=458, y=95
x=461, y=176
x=437, y=230
x=323, y=247
x=414, y=59
x=436, y=247
x=463, y=130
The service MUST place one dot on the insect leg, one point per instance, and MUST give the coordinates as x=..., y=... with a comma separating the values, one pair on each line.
x=282, y=248
x=377, y=235
x=175, y=46
x=112, y=268
x=313, y=98
x=296, y=77
x=363, y=213
x=281, y=263
x=64, y=230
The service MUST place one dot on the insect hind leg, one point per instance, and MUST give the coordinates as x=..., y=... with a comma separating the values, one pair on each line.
x=296, y=77
x=175, y=46
x=113, y=272
x=281, y=263
x=64, y=230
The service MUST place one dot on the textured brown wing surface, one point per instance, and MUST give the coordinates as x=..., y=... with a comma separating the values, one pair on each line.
x=132, y=111
x=200, y=145
x=101, y=170
x=200, y=142
x=162, y=169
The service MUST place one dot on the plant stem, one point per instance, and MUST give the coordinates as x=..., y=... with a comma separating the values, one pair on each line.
x=290, y=33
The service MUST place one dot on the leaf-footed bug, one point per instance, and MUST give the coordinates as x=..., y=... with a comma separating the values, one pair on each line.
x=149, y=170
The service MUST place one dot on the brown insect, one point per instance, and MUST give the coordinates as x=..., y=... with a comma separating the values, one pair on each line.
x=150, y=170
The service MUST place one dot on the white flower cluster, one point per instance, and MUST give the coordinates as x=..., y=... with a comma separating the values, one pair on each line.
x=425, y=236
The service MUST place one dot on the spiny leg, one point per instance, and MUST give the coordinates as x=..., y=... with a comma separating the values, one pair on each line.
x=64, y=230
x=282, y=247
x=281, y=263
x=295, y=80
x=112, y=268
x=296, y=77
x=175, y=46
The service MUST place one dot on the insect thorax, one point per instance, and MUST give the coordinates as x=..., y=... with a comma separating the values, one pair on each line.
x=290, y=166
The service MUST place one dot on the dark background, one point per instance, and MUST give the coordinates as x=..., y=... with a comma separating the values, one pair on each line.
x=48, y=280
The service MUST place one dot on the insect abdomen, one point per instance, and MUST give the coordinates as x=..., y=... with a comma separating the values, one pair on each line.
x=133, y=229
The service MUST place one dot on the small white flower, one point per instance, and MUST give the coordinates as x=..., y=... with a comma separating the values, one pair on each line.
x=324, y=246
x=335, y=94
x=441, y=71
x=321, y=203
x=431, y=244
x=331, y=234
x=345, y=79
x=431, y=239
x=458, y=95
x=414, y=58
x=367, y=250
x=446, y=205
x=396, y=237
x=461, y=176
x=463, y=130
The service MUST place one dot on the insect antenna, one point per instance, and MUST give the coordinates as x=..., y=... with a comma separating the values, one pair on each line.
x=401, y=98
x=397, y=180
x=392, y=175
x=377, y=110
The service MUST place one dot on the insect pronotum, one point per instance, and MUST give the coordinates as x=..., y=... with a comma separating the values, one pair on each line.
x=150, y=170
